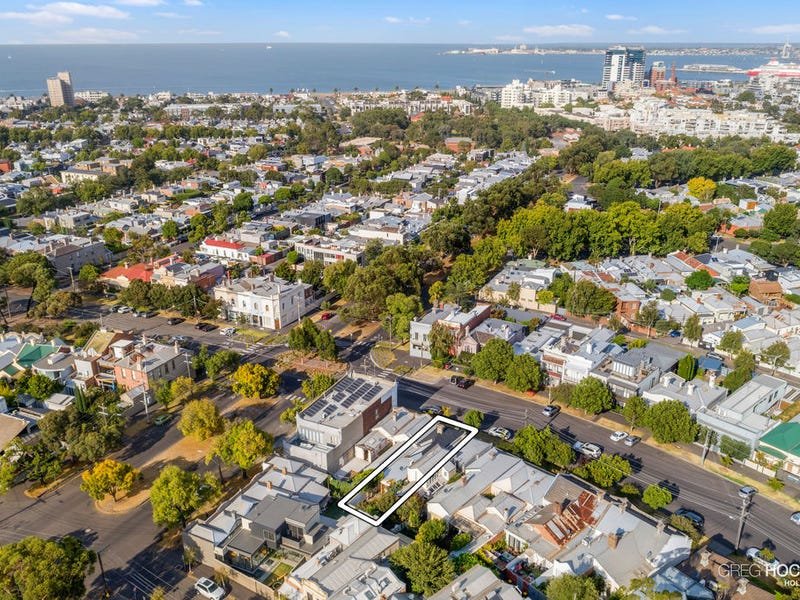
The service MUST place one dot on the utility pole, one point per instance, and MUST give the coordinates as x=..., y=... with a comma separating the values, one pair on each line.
x=705, y=447
x=146, y=408
x=107, y=590
x=742, y=516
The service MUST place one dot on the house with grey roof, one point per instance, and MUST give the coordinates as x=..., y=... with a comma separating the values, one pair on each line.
x=479, y=583
x=695, y=395
x=637, y=370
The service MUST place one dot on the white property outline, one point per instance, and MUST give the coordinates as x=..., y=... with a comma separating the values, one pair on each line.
x=471, y=433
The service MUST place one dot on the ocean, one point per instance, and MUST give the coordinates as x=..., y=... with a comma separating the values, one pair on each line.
x=141, y=69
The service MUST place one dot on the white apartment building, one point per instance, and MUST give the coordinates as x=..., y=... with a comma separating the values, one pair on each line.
x=536, y=93
x=330, y=250
x=266, y=302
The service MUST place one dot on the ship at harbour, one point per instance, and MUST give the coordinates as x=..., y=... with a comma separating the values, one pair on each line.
x=778, y=67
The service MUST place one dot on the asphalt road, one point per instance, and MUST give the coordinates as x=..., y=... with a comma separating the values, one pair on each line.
x=712, y=496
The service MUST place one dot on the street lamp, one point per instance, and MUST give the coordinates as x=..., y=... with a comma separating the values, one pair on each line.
x=742, y=517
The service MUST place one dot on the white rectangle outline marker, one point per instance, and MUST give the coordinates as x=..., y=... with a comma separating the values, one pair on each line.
x=471, y=433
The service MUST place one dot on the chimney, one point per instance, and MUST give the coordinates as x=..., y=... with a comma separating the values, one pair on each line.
x=613, y=540
x=558, y=508
x=712, y=380
x=283, y=471
x=705, y=555
x=269, y=485
x=741, y=586
x=661, y=525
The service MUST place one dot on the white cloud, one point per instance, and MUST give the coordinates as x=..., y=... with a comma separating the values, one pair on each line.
x=193, y=2
x=91, y=35
x=464, y=23
x=39, y=17
x=778, y=29
x=656, y=30
x=78, y=9
x=620, y=18
x=584, y=11
x=571, y=30
x=409, y=20
x=140, y=2
x=171, y=15
x=282, y=34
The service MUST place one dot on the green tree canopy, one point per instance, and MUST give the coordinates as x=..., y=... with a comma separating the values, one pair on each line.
x=656, y=497
x=493, y=360
x=426, y=566
x=176, y=494
x=243, y=445
x=592, y=396
x=670, y=422
x=201, y=420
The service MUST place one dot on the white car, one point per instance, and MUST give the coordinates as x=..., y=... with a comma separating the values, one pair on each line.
x=795, y=518
x=227, y=331
x=588, y=449
x=124, y=309
x=754, y=554
x=618, y=436
x=208, y=589
x=499, y=432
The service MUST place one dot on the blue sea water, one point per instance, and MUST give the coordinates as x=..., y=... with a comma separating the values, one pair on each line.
x=137, y=69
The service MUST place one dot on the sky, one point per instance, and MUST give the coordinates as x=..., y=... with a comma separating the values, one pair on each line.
x=412, y=21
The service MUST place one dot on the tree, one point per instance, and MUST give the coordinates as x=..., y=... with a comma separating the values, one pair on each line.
x=176, y=494
x=88, y=274
x=34, y=568
x=692, y=329
x=648, y=315
x=524, y=374
x=606, y=471
x=572, y=587
x=739, y=284
x=699, y=280
x=440, y=342
x=41, y=386
x=493, y=360
x=426, y=566
x=312, y=273
x=8, y=472
x=635, y=410
x=731, y=341
x=411, y=512
x=670, y=422
x=542, y=445
x=781, y=220
x=776, y=355
x=335, y=276
x=473, y=418
x=163, y=392
x=734, y=448
x=109, y=477
x=400, y=311
x=701, y=188
x=255, y=381
x=201, y=420
x=656, y=497
x=182, y=389
x=592, y=396
x=431, y=531
x=243, y=445
x=221, y=361
x=586, y=299
x=317, y=384
x=169, y=230
x=687, y=367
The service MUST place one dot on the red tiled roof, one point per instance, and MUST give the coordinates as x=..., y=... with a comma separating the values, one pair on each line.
x=223, y=244
x=141, y=271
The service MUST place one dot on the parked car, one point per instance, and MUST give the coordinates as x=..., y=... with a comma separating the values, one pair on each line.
x=208, y=589
x=124, y=309
x=202, y=326
x=147, y=314
x=551, y=410
x=499, y=432
x=227, y=331
x=696, y=518
x=747, y=491
x=433, y=409
x=632, y=440
x=795, y=518
x=754, y=554
x=326, y=316
x=588, y=449
x=618, y=436
x=175, y=321
x=455, y=379
x=558, y=317
x=465, y=383
x=162, y=419
x=674, y=333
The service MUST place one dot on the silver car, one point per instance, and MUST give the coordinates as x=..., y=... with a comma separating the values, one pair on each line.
x=208, y=589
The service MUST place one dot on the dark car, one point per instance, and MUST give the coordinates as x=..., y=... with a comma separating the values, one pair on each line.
x=455, y=379
x=696, y=518
x=162, y=419
x=674, y=333
x=175, y=321
x=202, y=326
x=434, y=409
x=148, y=314
x=464, y=383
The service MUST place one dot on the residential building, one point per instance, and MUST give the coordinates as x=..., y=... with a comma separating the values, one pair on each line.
x=176, y=273
x=490, y=329
x=329, y=250
x=783, y=444
x=525, y=278
x=139, y=365
x=329, y=429
x=695, y=395
x=623, y=64
x=351, y=566
x=479, y=583
x=245, y=530
x=450, y=316
x=743, y=415
x=573, y=357
x=59, y=90
x=637, y=370
x=766, y=291
x=268, y=301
